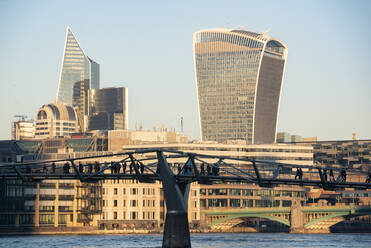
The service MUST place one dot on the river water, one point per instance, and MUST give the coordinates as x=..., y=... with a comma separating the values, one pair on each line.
x=198, y=240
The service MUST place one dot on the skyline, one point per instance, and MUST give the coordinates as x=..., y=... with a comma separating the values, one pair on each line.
x=149, y=51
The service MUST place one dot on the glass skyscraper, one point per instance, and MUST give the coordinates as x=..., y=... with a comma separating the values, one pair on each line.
x=238, y=76
x=108, y=109
x=76, y=68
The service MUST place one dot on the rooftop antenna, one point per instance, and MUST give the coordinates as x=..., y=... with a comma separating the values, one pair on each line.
x=181, y=124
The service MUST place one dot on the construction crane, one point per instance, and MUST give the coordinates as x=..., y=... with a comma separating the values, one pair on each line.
x=21, y=117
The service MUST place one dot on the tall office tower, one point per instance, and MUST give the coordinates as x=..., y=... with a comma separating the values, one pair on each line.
x=239, y=76
x=108, y=109
x=79, y=72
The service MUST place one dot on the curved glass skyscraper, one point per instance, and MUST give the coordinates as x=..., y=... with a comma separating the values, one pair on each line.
x=238, y=76
x=76, y=68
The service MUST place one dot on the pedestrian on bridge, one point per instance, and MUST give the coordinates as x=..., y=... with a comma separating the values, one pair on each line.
x=141, y=168
x=124, y=167
x=301, y=174
x=368, y=179
x=96, y=167
x=202, y=169
x=332, y=178
x=325, y=174
x=81, y=167
x=53, y=168
x=343, y=174
x=297, y=175
x=66, y=168
x=208, y=169
x=112, y=167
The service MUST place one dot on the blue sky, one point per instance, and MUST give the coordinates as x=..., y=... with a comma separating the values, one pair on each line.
x=147, y=47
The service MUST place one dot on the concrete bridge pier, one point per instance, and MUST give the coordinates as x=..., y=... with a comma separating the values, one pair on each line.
x=297, y=218
x=176, y=231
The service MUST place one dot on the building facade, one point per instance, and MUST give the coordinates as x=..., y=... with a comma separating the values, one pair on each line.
x=78, y=74
x=128, y=204
x=23, y=129
x=239, y=76
x=108, y=109
x=55, y=120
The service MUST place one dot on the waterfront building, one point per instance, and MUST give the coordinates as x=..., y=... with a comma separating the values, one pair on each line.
x=348, y=153
x=78, y=74
x=108, y=109
x=51, y=203
x=55, y=120
x=129, y=205
x=239, y=76
x=23, y=129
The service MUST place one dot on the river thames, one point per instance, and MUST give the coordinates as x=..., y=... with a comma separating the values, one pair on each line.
x=198, y=240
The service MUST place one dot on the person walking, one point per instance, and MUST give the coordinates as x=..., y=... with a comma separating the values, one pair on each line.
x=368, y=179
x=124, y=167
x=301, y=174
x=325, y=174
x=202, y=169
x=332, y=178
x=297, y=175
x=81, y=167
x=53, y=168
x=343, y=174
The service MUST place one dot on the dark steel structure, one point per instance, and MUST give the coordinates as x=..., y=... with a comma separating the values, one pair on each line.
x=156, y=164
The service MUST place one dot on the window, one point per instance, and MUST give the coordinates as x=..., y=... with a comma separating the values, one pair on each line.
x=124, y=191
x=133, y=191
x=133, y=203
x=133, y=215
x=115, y=203
x=115, y=215
x=115, y=191
x=124, y=203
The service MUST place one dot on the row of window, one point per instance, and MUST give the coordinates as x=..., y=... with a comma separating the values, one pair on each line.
x=252, y=192
x=133, y=203
x=133, y=191
x=237, y=203
x=134, y=215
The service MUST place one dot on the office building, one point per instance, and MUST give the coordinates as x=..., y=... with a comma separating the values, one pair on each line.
x=108, y=109
x=23, y=129
x=78, y=73
x=55, y=120
x=239, y=75
x=283, y=137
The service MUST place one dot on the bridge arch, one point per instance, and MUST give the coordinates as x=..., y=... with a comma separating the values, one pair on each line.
x=244, y=216
x=334, y=216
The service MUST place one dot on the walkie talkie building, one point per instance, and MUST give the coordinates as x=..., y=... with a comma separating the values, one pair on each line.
x=239, y=76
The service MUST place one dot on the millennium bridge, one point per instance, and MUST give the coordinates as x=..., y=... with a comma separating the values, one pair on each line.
x=152, y=165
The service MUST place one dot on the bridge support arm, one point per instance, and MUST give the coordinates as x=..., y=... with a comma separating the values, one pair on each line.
x=176, y=231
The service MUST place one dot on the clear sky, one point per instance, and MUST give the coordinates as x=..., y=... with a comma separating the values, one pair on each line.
x=147, y=47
